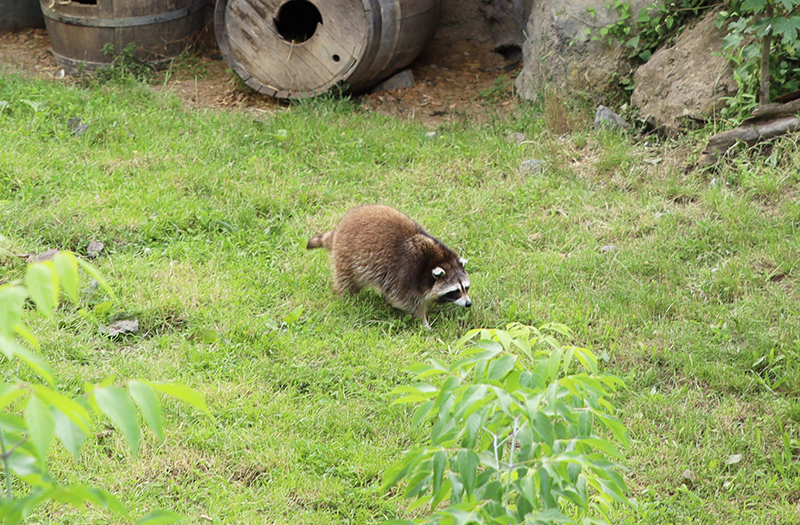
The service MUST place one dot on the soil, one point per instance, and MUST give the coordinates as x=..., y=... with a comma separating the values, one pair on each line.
x=452, y=78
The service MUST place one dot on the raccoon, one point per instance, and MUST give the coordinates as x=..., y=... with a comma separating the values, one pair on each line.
x=378, y=246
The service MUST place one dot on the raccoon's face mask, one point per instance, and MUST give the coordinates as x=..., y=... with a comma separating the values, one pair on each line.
x=457, y=292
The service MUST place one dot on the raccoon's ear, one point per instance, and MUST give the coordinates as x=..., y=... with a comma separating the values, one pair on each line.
x=438, y=272
x=463, y=262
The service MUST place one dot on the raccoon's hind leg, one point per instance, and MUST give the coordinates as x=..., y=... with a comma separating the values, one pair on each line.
x=344, y=281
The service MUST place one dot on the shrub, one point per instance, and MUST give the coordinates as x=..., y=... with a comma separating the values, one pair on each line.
x=517, y=435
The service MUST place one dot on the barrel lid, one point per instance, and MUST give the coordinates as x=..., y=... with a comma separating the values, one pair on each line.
x=295, y=48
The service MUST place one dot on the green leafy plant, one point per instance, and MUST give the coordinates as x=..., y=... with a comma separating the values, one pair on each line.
x=124, y=66
x=654, y=25
x=518, y=435
x=762, y=42
x=33, y=413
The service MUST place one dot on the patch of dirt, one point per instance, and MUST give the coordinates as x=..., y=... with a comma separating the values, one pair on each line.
x=452, y=78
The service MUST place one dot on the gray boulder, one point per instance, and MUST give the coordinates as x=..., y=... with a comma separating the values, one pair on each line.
x=686, y=82
x=604, y=118
x=559, y=53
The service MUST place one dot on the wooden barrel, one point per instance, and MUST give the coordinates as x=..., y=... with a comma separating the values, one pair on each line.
x=302, y=48
x=80, y=29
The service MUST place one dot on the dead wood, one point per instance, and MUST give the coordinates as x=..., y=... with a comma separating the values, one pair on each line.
x=768, y=121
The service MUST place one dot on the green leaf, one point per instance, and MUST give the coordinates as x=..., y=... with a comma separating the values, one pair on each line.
x=754, y=6
x=439, y=462
x=79, y=495
x=160, y=517
x=35, y=363
x=70, y=434
x=12, y=301
x=208, y=336
x=26, y=505
x=470, y=335
x=504, y=338
x=150, y=406
x=280, y=134
x=9, y=346
x=27, y=335
x=184, y=393
x=294, y=315
x=70, y=408
x=460, y=516
x=23, y=463
x=103, y=308
x=542, y=426
x=400, y=468
x=586, y=358
x=472, y=425
x=41, y=280
x=443, y=492
x=786, y=28
x=115, y=403
x=524, y=345
x=614, y=425
x=66, y=267
x=602, y=445
x=467, y=466
x=41, y=427
x=498, y=368
x=421, y=413
x=554, y=362
x=9, y=393
x=549, y=516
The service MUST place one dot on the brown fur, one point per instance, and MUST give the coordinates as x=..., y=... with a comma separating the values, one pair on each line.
x=379, y=246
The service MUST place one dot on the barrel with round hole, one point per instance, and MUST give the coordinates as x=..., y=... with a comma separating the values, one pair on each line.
x=303, y=48
x=88, y=33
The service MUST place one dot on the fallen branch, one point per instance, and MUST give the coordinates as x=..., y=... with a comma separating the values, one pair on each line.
x=768, y=121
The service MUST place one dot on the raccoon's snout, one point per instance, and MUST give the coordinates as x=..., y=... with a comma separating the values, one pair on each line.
x=458, y=296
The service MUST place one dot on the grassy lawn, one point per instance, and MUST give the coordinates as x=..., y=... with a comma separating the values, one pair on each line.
x=684, y=283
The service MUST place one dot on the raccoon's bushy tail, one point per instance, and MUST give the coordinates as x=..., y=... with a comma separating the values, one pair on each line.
x=323, y=240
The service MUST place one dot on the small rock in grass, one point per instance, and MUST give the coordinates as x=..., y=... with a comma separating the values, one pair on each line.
x=516, y=136
x=688, y=478
x=608, y=248
x=44, y=256
x=403, y=79
x=93, y=286
x=531, y=166
x=605, y=118
x=733, y=459
x=94, y=248
x=121, y=327
x=76, y=128
x=431, y=134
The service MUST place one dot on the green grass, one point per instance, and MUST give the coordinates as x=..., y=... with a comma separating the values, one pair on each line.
x=205, y=215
